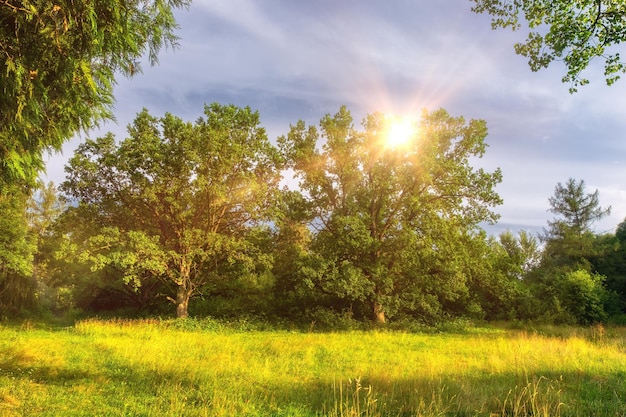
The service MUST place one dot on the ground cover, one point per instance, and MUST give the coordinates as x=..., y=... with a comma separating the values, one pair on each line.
x=171, y=368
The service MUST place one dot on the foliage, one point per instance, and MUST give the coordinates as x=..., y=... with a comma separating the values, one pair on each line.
x=497, y=284
x=17, y=248
x=59, y=61
x=583, y=296
x=523, y=252
x=178, y=210
x=566, y=285
x=244, y=291
x=43, y=210
x=565, y=295
x=63, y=283
x=620, y=231
x=175, y=200
x=610, y=261
x=389, y=221
x=575, y=32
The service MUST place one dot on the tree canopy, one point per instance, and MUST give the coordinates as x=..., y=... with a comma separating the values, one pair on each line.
x=386, y=217
x=572, y=31
x=59, y=61
x=175, y=200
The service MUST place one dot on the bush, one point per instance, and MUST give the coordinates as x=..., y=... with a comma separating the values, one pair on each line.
x=583, y=296
x=325, y=319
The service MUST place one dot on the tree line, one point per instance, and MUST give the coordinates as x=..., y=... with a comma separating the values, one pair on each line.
x=195, y=214
x=330, y=222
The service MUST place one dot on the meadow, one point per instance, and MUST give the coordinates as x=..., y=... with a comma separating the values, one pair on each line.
x=204, y=368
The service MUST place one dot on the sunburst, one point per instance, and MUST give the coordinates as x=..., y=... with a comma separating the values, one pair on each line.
x=400, y=131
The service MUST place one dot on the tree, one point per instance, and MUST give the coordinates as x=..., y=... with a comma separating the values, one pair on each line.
x=578, y=209
x=611, y=262
x=292, y=269
x=52, y=275
x=389, y=220
x=497, y=285
x=17, y=248
x=522, y=252
x=570, y=250
x=569, y=238
x=59, y=61
x=175, y=200
x=575, y=32
x=583, y=296
x=620, y=231
x=44, y=208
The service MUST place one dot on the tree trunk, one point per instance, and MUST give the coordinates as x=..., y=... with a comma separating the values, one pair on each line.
x=185, y=287
x=379, y=313
x=182, y=302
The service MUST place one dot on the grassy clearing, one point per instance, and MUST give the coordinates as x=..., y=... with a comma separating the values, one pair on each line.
x=129, y=368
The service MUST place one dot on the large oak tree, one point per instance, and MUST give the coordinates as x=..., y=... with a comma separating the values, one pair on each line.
x=175, y=200
x=390, y=221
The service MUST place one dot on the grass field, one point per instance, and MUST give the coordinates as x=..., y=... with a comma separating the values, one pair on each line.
x=169, y=368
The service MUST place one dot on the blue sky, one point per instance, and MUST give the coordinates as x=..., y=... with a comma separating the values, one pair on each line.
x=294, y=60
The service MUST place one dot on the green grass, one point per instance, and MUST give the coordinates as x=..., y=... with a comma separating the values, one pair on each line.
x=169, y=368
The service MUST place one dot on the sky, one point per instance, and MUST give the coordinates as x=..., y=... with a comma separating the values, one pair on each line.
x=299, y=60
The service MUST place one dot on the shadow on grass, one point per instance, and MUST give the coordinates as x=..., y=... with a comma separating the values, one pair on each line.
x=166, y=393
x=545, y=394
x=19, y=363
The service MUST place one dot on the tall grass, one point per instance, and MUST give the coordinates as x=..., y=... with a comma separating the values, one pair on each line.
x=207, y=368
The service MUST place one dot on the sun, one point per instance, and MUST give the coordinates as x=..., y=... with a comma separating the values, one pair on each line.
x=401, y=130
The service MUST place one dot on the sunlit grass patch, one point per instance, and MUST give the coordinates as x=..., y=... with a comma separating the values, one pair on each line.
x=153, y=367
